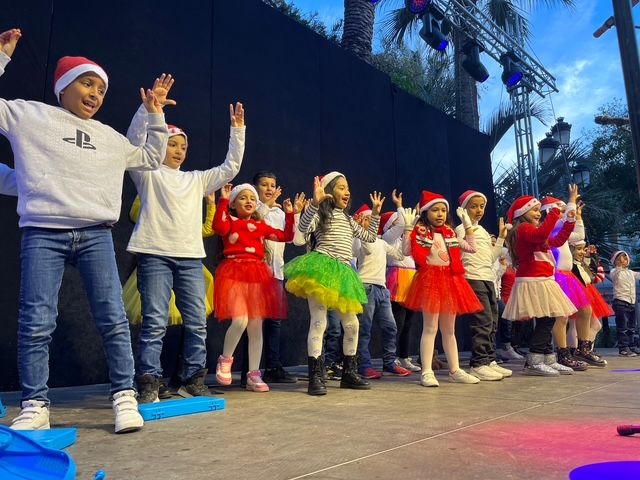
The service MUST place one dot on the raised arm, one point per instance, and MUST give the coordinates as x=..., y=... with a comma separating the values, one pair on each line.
x=221, y=219
x=277, y=235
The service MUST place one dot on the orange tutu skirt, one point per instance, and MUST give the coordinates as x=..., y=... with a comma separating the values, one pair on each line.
x=247, y=287
x=437, y=290
x=599, y=306
x=399, y=281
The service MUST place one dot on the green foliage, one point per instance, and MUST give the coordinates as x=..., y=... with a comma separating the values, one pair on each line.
x=311, y=20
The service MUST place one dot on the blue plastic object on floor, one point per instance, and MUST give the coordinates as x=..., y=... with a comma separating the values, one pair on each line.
x=22, y=458
x=606, y=470
x=176, y=408
x=55, y=438
x=3, y=409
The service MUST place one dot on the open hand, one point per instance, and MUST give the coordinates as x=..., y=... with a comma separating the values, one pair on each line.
x=287, y=206
x=319, y=195
x=237, y=115
x=9, y=40
x=376, y=202
x=273, y=200
x=502, y=228
x=225, y=192
x=150, y=101
x=299, y=202
x=410, y=216
x=573, y=193
x=161, y=88
x=579, y=207
x=464, y=218
x=397, y=199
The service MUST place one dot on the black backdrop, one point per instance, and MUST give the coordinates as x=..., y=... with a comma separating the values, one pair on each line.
x=310, y=108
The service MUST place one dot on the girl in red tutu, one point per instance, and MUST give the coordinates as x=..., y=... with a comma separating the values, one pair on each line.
x=439, y=288
x=535, y=293
x=245, y=290
x=599, y=307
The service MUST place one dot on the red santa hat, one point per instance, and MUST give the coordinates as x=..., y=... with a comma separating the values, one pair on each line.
x=521, y=206
x=364, y=210
x=386, y=221
x=468, y=195
x=70, y=68
x=235, y=191
x=616, y=254
x=550, y=202
x=427, y=199
x=173, y=131
x=326, y=180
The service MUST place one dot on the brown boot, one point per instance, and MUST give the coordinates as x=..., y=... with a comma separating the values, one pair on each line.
x=437, y=364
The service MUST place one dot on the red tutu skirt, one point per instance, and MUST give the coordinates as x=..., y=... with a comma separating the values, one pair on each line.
x=573, y=288
x=599, y=306
x=437, y=290
x=399, y=281
x=247, y=287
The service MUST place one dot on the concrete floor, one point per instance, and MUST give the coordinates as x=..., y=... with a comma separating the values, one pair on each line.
x=518, y=428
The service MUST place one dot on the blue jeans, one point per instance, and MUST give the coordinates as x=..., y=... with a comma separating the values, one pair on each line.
x=44, y=256
x=157, y=275
x=378, y=308
x=332, y=339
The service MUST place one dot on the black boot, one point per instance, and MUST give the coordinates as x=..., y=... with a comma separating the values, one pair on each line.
x=350, y=377
x=195, y=386
x=585, y=354
x=565, y=358
x=316, y=383
x=148, y=387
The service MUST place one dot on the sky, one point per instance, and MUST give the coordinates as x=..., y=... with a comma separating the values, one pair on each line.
x=587, y=70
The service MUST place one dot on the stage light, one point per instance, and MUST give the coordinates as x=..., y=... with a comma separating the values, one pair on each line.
x=513, y=70
x=472, y=63
x=417, y=6
x=431, y=32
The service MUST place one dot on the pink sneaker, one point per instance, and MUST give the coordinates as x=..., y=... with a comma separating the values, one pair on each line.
x=255, y=383
x=223, y=370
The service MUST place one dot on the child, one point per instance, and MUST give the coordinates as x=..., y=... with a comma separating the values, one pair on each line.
x=599, y=307
x=372, y=262
x=624, y=302
x=325, y=278
x=245, y=290
x=507, y=332
x=400, y=273
x=69, y=169
x=272, y=214
x=535, y=293
x=167, y=240
x=570, y=285
x=439, y=288
x=478, y=270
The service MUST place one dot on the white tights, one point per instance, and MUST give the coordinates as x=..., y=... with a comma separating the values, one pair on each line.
x=430, y=323
x=318, y=324
x=254, y=332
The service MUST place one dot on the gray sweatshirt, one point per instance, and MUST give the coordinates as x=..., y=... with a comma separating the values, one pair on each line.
x=69, y=171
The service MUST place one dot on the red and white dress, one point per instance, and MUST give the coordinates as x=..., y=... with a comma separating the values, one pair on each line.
x=439, y=285
x=244, y=283
x=599, y=307
x=535, y=293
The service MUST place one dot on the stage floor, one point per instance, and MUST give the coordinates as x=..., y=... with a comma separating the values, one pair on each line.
x=519, y=428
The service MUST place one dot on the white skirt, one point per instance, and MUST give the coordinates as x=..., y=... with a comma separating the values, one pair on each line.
x=535, y=298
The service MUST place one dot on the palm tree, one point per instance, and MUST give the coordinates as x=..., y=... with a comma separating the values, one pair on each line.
x=357, y=33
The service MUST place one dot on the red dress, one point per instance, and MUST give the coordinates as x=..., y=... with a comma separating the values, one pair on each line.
x=244, y=283
x=440, y=288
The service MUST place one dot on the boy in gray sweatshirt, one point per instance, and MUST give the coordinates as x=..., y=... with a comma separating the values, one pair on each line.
x=69, y=172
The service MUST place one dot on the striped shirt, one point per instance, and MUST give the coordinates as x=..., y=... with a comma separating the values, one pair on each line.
x=336, y=238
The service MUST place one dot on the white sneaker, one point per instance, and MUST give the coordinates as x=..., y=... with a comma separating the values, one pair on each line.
x=460, y=376
x=34, y=416
x=505, y=372
x=509, y=353
x=125, y=406
x=485, y=373
x=428, y=379
x=406, y=363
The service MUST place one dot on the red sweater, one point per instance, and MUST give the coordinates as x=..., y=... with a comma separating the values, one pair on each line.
x=533, y=246
x=245, y=238
x=508, y=278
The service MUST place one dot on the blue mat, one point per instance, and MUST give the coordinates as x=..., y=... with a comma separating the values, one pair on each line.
x=176, y=408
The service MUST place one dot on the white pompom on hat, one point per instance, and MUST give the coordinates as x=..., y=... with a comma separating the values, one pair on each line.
x=70, y=68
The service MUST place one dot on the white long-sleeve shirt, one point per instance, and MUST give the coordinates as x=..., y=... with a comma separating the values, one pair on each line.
x=371, y=259
x=479, y=265
x=170, y=221
x=562, y=254
x=274, y=251
x=624, y=284
x=393, y=236
x=70, y=170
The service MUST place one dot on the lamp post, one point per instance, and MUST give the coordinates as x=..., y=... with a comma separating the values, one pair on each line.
x=561, y=132
x=547, y=147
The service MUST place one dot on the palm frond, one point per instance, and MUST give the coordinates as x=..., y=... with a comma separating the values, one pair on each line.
x=508, y=16
x=501, y=120
x=399, y=24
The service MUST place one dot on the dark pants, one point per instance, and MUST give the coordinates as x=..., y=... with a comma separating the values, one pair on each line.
x=541, y=339
x=505, y=327
x=404, y=320
x=625, y=323
x=332, y=344
x=483, y=325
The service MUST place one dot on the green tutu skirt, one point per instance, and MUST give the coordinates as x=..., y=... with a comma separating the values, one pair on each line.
x=331, y=282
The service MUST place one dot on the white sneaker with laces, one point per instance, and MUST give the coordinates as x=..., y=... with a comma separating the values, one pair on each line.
x=125, y=406
x=486, y=373
x=505, y=372
x=428, y=379
x=409, y=365
x=460, y=376
x=33, y=416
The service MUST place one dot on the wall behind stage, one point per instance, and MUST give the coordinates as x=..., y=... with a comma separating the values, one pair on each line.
x=310, y=106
